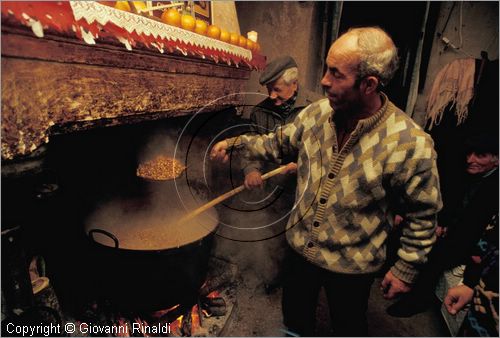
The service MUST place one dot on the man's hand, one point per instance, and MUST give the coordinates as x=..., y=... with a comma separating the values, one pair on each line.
x=218, y=152
x=291, y=168
x=392, y=286
x=441, y=231
x=457, y=297
x=253, y=180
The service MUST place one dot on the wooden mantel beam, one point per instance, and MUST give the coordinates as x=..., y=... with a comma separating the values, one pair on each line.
x=60, y=84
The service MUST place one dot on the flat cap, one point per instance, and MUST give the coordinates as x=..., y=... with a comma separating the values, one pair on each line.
x=483, y=143
x=276, y=68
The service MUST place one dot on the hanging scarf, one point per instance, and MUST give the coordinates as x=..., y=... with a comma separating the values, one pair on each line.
x=453, y=84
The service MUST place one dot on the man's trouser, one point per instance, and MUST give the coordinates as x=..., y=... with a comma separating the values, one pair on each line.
x=347, y=296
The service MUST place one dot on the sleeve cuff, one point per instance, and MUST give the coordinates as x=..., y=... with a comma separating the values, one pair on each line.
x=251, y=167
x=234, y=142
x=404, y=271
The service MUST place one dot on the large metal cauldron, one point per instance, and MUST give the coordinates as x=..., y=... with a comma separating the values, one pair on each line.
x=138, y=276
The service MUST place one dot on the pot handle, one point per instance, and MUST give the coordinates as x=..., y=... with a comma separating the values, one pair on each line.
x=104, y=232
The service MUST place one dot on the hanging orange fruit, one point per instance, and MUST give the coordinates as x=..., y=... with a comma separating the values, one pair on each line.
x=213, y=32
x=140, y=6
x=171, y=17
x=250, y=44
x=200, y=27
x=242, y=41
x=234, y=38
x=188, y=22
x=123, y=5
x=224, y=35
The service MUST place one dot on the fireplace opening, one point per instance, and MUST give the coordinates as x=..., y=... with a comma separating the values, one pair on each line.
x=82, y=171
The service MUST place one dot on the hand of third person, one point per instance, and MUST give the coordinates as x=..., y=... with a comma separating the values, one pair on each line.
x=441, y=231
x=253, y=180
x=392, y=286
x=457, y=297
x=218, y=152
x=397, y=220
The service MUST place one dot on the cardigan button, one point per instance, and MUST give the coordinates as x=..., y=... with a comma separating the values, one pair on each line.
x=316, y=224
x=310, y=244
x=331, y=175
x=322, y=200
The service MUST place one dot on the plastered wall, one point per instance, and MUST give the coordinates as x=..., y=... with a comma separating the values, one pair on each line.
x=285, y=27
x=224, y=15
x=295, y=28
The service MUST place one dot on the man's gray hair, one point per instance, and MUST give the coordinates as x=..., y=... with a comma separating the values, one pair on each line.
x=290, y=75
x=377, y=53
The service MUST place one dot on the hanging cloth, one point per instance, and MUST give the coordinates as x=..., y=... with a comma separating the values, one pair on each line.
x=453, y=84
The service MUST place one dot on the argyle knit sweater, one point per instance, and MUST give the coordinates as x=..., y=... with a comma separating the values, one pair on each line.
x=346, y=198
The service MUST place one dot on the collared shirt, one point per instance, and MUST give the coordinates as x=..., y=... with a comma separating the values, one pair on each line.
x=286, y=107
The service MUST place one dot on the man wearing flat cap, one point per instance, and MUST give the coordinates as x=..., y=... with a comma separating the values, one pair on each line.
x=276, y=198
x=285, y=101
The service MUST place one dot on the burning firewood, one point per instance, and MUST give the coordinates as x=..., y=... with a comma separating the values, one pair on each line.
x=214, y=306
x=224, y=275
x=142, y=325
x=124, y=328
x=199, y=309
x=215, y=301
x=215, y=311
x=186, y=327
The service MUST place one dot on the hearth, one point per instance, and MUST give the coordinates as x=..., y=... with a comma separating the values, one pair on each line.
x=88, y=169
x=209, y=316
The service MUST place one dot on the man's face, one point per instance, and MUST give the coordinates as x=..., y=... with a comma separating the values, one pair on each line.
x=280, y=92
x=481, y=163
x=339, y=80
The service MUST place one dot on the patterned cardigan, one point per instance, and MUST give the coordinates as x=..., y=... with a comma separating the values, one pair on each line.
x=346, y=198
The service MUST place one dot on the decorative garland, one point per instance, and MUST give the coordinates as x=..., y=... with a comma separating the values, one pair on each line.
x=90, y=21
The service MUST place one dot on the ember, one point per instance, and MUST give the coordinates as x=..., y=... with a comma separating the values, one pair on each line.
x=124, y=328
x=162, y=313
x=190, y=322
x=214, y=306
x=213, y=294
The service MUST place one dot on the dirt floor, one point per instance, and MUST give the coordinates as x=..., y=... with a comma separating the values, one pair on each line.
x=259, y=314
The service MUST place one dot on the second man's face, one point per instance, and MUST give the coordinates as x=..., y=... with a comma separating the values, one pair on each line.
x=480, y=163
x=280, y=92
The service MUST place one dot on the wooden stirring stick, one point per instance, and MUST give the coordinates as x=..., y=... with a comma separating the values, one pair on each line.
x=228, y=194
